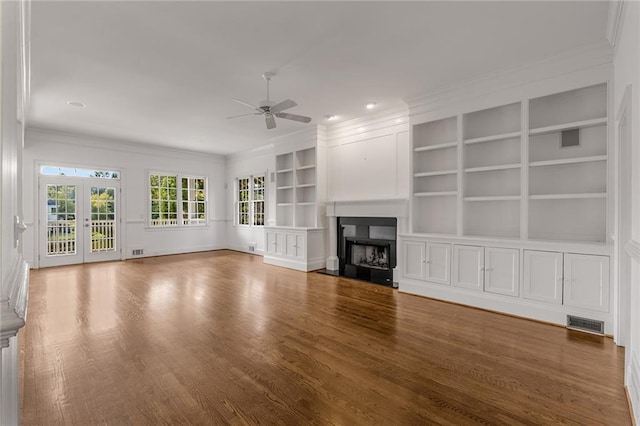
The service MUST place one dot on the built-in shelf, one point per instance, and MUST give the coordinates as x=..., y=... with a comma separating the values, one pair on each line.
x=492, y=168
x=434, y=194
x=567, y=126
x=494, y=198
x=438, y=146
x=437, y=173
x=284, y=171
x=307, y=203
x=284, y=204
x=307, y=167
x=569, y=161
x=492, y=138
x=589, y=195
x=306, y=185
x=285, y=187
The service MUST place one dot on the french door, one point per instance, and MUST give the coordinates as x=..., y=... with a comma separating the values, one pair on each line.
x=79, y=220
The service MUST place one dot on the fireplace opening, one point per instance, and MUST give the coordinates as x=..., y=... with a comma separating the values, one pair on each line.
x=369, y=255
x=367, y=248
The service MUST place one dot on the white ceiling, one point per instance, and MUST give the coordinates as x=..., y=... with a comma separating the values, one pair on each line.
x=165, y=72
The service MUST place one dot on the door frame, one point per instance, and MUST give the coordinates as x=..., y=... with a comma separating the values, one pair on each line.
x=83, y=183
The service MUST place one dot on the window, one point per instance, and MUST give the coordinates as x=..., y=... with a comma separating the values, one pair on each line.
x=177, y=200
x=250, y=202
x=74, y=172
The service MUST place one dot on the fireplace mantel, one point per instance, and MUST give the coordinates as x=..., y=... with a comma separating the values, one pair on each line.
x=382, y=207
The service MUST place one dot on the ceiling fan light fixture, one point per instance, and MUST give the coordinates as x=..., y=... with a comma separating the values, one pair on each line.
x=330, y=117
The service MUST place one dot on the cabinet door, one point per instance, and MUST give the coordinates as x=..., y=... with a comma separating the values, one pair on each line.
x=468, y=266
x=586, y=281
x=270, y=240
x=277, y=244
x=295, y=246
x=414, y=260
x=501, y=271
x=542, y=276
x=438, y=263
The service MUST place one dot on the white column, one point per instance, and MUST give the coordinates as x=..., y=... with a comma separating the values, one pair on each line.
x=332, y=260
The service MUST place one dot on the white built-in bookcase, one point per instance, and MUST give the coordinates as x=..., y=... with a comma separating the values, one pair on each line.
x=503, y=172
x=296, y=189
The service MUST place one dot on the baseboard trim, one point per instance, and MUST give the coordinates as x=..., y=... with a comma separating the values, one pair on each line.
x=308, y=266
x=633, y=388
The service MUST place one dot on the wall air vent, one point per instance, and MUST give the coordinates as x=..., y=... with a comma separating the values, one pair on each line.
x=585, y=324
x=137, y=252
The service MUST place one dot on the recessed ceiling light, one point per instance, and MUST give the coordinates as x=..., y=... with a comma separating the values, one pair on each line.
x=370, y=105
x=330, y=117
x=76, y=104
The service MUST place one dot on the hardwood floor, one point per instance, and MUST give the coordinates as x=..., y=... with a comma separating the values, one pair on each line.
x=221, y=338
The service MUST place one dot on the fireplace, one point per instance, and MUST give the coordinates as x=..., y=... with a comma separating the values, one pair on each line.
x=367, y=248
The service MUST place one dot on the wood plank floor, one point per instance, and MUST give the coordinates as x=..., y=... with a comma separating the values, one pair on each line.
x=221, y=338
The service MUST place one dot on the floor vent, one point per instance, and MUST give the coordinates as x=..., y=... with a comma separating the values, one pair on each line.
x=137, y=252
x=585, y=324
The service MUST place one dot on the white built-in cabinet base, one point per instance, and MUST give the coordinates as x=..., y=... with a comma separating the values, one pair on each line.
x=538, y=280
x=301, y=249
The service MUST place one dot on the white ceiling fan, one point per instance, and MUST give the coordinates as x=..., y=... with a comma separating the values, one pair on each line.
x=270, y=109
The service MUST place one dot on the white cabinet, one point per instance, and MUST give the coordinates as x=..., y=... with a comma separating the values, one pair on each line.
x=494, y=270
x=501, y=271
x=295, y=248
x=427, y=261
x=468, y=266
x=575, y=280
x=542, y=279
x=415, y=254
x=586, y=281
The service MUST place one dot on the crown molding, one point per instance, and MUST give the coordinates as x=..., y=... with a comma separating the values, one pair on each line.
x=614, y=20
x=44, y=135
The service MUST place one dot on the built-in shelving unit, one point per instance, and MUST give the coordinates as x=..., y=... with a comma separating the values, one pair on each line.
x=568, y=184
x=435, y=175
x=492, y=164
x=296, y=179
x=496, y=173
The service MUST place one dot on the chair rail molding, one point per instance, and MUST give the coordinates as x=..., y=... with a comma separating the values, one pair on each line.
x=13, y=309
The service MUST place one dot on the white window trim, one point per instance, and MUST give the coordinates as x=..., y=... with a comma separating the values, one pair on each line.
x=236, y=200
x=179, y=177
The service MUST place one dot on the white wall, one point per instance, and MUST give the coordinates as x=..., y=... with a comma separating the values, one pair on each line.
x=368, y=158
x=627, y=72
x=134, y=161
x=13, y=284
x=251, y=163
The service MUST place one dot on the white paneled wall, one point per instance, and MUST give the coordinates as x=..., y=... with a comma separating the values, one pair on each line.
x=368, y=158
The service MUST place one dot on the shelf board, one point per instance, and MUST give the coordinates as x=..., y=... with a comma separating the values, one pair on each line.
x=438, y=173
x=434, y=194
x=306, y=185
x=566, y=126
x=494, y=198
x=492, y=168
x=284, y=204
x=577, y=196
x=568, y=161
x=306, y=203
x=493, y=138
x=307, y=167
x=284, y=170
x=438, y=146
x=284, y=187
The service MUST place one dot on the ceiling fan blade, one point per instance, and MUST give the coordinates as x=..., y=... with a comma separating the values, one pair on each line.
x=271, y=122
x=246, y=104
x=244, y=115
x=294, y=117
x=286, y=104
